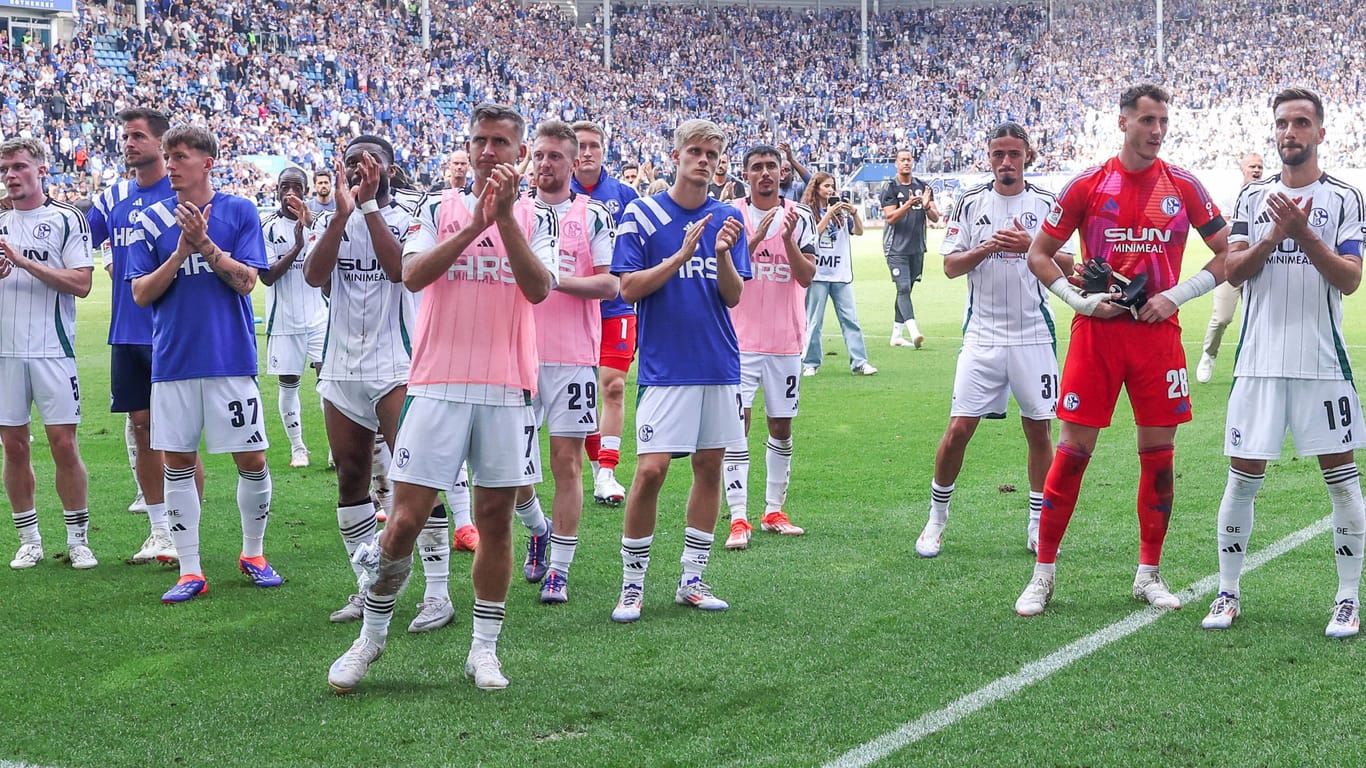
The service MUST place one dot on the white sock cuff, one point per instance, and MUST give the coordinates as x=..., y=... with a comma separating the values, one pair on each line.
x=178, y=475
x=784, y=444
x=698, y=535
x=1341, y=476
x=357, y=521
x=1243, y=485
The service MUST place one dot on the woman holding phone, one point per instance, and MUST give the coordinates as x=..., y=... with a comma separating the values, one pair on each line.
x=836, y=221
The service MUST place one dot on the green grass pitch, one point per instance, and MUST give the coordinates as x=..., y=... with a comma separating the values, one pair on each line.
x=833, y=639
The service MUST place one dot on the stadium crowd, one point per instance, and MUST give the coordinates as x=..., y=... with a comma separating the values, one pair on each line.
x=1216, y=66
x=273, y=82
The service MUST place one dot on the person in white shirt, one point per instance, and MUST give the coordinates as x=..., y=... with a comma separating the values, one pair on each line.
x=296, y=314
x=1295, y=247
x=836, y=221
x=45, y=263
x=1009, y=342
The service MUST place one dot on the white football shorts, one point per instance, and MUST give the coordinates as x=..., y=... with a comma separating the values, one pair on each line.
x=777, y=375
x=289, y=354
x=357, y=400
x=1322, y=416
x=436, y=437
x=567, y=399
x=687, y=419
x=51, y=382
x=987, y=376
x=226, y=410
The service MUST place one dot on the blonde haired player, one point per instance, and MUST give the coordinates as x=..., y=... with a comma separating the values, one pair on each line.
x=568, y=343
x=683, y=259
x=45, y=263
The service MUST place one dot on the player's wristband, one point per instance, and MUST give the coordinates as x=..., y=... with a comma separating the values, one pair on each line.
x=368, y=207
x=1084, y=305
x=1199, y=284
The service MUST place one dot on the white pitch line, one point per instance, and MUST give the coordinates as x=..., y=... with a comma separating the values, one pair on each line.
x=1035, y=671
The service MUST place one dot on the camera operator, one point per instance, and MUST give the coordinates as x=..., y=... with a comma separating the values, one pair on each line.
x=836, y=220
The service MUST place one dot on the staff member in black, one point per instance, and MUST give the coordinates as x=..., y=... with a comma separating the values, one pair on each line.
x=906, y=204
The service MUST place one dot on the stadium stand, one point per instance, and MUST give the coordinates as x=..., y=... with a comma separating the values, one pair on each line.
x=277, y=86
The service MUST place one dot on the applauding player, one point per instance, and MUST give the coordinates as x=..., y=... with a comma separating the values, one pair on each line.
x=296, y=324
x=195, y=262
x=1008, y=339
x=770, y=326
x=568, y=340
x=1296, y=249
x=473, y=376
x=365, y=369
x=683, y=260
x=45, y=263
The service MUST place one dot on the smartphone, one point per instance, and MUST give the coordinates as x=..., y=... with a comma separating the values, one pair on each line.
x=832, y=202
x=845, y=195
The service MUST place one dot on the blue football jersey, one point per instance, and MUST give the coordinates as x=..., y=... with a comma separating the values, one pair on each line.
x=201, y=328
x=616, y=196
x=113, y=218
x=684, y=329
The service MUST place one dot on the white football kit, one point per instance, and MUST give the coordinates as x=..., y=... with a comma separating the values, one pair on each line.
x=1009, y=336
x=1292, y=370
x=370, y=320
x=296, y=313
x=37, y=322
